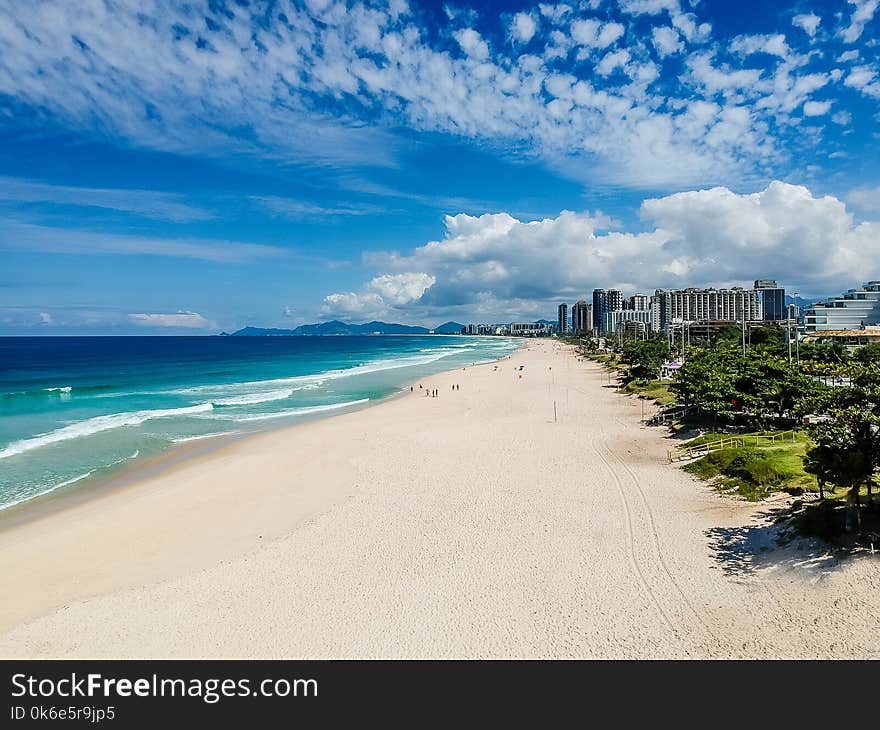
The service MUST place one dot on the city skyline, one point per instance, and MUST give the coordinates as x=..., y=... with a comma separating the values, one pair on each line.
x=187, y=169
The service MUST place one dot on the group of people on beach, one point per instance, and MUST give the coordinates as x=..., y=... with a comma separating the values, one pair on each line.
x=433, y=392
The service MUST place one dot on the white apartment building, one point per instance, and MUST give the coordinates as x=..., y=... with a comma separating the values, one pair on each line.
x=529, y=329
x=617, y=320
x=700, y=305
x=856, y=309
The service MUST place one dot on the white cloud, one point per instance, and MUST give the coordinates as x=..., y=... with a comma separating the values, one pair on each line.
x=301, y=209
x=865, y=79
x=523, y=27
x=555, y=13
x=472, y=44
x=379, y=296
x=189, y=79
x=611, y=61
x=866, y=199
x=816, y=108
x=28, y=237
x=848, y=56
x=773, y=45
x=147, y=203
x=862, y=15
x=401, y=289
x=184, y=320
x=648, y=7
x=687, y=25
x=843, y=118
x=666, y=41
x=593, y=34
x=45, y=318
x=494, y=264
x=807, y=22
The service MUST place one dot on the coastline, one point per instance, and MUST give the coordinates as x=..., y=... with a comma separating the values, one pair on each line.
x=136, y=479
x=476, y=524
x=130, y=472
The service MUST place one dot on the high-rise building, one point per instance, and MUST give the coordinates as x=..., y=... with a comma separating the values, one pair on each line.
x=703, y=305
x=604, y=301
x=600, y=300
x=658, y=310
x=562, y=319
x=772, y=300
x=856, y=309
x=637, y=302
x=582, y=317
x=624, y=320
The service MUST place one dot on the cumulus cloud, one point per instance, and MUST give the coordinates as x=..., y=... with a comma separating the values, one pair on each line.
x=816, y=108
x=502, y=267
x=865, y=198
x=807, y=22
x=593, y=34
x=182, y=320
x=863, y=12
x=666, y=41
x=523, y=27
x=649, y=7
x=773, y=45
x=380, y=295
x=472, y=44
x=865, y=79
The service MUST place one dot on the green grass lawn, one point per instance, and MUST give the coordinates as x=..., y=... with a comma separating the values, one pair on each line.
x=755, y=472
x=654, y=390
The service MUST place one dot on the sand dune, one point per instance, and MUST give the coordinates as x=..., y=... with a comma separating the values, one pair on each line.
x=475, y=524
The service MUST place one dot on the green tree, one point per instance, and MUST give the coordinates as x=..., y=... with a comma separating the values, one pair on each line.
x=868, y=354
x=645, y=357
x=847, y=446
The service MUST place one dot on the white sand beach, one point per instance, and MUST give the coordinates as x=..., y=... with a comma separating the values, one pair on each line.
x=474, y=524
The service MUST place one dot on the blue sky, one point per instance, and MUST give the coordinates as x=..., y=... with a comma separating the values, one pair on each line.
x=186, y=168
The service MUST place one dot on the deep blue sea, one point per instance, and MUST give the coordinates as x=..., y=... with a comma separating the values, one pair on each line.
x=74, y=409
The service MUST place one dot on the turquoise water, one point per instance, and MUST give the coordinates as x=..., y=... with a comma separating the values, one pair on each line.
x=75, y=409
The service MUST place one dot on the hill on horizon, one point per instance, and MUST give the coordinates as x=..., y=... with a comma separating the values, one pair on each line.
x=336, y=327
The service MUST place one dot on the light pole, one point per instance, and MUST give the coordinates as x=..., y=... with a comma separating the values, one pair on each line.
x=788, y=333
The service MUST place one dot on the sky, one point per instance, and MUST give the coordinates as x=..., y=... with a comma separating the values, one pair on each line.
x=187, y=168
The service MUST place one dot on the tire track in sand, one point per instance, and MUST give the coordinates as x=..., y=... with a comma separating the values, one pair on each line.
x=655, y=538
x=630, y=541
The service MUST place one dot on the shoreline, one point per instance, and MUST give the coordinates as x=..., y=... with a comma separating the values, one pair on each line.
x=526, y=515
x=136, y=481
x=131, y=472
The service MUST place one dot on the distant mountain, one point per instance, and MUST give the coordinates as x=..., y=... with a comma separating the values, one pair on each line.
x=802, y=303
x=261, y=332
x=545, y=321
x=335, y=327
x=449, y=328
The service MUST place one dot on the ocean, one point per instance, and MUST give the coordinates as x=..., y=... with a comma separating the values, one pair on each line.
x=76, y=409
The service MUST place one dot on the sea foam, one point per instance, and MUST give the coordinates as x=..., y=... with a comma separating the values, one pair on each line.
x=96, y=425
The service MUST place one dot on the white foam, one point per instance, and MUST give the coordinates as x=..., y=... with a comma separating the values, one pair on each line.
x=251, y=398
x=307, y=381
x=186, y=439
x=7, y=505
x=63, y=389
x=96, y=425
x=299, y=411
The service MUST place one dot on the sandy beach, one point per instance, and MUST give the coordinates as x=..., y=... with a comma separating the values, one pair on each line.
x=527, y=514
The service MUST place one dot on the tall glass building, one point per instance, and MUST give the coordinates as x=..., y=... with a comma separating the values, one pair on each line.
x=773, y=306
x=854, y=310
